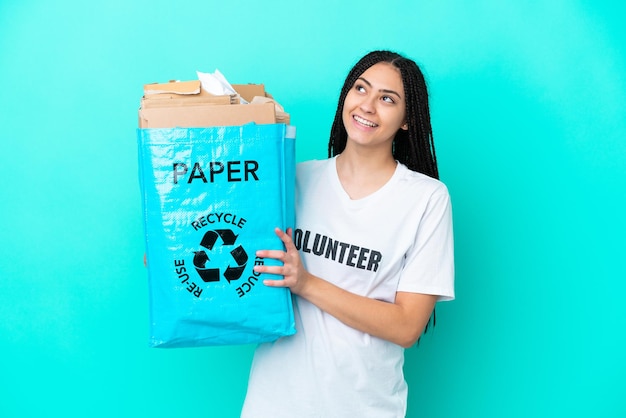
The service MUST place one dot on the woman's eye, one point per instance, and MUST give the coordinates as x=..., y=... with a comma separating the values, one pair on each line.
x=359, y=88
x=388, y=99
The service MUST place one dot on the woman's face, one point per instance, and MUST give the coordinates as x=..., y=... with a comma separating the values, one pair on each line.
x=375, y=108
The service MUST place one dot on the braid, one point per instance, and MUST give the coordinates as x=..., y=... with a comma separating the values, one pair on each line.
x=414, y=147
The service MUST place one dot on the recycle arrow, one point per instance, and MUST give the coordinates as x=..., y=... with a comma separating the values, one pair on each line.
x=201, y=258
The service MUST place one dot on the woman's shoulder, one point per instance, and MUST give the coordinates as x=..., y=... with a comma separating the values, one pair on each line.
x=311, y=166
x=415, y=179
x=314, y=163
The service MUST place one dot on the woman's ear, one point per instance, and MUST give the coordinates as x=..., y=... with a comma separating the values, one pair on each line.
x=405, y=126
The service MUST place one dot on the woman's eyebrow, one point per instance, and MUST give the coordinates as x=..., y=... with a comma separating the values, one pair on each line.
x=381, y=90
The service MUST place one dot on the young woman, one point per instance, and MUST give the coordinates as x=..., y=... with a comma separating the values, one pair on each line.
x=371, y=254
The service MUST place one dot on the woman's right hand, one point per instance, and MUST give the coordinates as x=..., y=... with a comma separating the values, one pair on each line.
x=295, y=276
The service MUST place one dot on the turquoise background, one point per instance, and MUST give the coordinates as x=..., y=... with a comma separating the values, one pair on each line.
x=528, y=105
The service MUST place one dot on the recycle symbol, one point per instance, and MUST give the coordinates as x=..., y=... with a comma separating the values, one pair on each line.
x=201, y=258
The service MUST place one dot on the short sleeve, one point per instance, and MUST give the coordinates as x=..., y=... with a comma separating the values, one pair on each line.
x=429, y=263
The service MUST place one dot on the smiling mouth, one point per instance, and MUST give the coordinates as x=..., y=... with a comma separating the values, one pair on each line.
x=364, y=122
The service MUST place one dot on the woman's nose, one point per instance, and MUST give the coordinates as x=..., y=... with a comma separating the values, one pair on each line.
x=367, y=104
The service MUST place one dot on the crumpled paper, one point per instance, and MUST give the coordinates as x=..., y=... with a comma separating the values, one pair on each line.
x=215, y=83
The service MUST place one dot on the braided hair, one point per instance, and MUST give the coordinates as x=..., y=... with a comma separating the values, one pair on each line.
x=413, y=147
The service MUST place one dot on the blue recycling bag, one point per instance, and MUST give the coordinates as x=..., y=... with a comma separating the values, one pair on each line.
x=211, y=198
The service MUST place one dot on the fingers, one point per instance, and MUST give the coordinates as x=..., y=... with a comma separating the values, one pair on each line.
x=285, y=236
x=280, y=271
x=274, y=254
x=277, y=271
x=275, y=283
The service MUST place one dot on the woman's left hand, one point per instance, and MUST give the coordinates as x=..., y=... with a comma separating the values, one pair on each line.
x=295, y=276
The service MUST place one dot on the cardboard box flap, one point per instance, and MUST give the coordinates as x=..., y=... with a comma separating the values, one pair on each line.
x=174, y=100
x=248, y=91
x=177, y=87
x=202, y=115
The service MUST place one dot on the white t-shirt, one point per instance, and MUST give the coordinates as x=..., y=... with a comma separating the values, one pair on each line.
x=396, y=239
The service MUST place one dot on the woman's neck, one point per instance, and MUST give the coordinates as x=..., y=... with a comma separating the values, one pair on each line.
x=363, y=173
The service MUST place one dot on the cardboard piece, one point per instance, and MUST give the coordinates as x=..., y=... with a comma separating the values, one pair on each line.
x=205, y=116
x=178, y=87
x=184, y=104
x=172, y=99
x=249, y=91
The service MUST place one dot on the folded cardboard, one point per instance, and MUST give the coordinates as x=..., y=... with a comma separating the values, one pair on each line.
x=171, y=99
x=178, y=87
x=204, y=116
x=185, y=90
x=184, y=104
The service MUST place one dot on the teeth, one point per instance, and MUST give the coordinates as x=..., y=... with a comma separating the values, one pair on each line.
x=365, y=121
